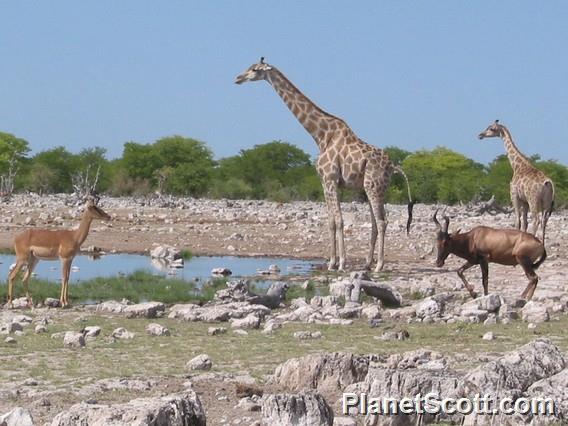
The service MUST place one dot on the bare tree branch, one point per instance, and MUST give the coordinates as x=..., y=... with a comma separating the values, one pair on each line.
x=7, y=179
x=85, y=185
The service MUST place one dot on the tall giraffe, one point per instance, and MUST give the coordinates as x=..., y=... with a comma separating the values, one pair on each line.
x=531, y=189
x=344, y=159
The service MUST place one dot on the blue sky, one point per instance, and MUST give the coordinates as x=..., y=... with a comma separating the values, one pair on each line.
x=405, y=73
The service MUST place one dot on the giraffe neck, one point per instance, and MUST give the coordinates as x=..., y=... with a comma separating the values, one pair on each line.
x=315, y=120
x=516, y=157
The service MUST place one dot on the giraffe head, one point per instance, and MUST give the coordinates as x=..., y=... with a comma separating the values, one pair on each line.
x=494, y=130
x=255, y=72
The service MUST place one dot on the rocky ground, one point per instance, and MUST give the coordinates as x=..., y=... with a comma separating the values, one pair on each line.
x=48, y=370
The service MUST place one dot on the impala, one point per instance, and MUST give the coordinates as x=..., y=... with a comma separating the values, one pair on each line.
x=34, y=245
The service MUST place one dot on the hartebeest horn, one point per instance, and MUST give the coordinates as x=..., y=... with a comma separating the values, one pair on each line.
x=446, y=224
x=438, y=226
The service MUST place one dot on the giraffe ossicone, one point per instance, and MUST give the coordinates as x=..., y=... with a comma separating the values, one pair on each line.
x=344, y=159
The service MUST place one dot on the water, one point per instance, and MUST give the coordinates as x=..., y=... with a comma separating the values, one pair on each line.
x=85, y=267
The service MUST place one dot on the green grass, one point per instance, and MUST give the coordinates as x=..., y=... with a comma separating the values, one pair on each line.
x=44, y=358
x=186, y=254
x=136, y=287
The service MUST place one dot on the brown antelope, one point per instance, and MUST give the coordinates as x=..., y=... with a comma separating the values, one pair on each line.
x=34, y=245
x=483, y=245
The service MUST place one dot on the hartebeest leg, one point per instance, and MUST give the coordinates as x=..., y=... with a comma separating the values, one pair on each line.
x=460, y=272
x=527, y=265
x=12, y=276
x=484, y=275
x=31, y=265
x=65, y=271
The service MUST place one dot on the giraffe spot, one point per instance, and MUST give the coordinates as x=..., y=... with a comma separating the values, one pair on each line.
x=311, y=126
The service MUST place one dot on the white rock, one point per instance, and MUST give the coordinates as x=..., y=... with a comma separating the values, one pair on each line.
x=157, y=330
x=122, y=333
x=17, y=417
x=534, y=312
x=74, y=339
x=200, y=362
x=92, y=331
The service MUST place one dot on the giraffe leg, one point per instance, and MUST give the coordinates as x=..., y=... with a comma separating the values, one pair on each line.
x=31, y=265
x=378, y=211
x=535, y=217
x=517, y=206
x=374, y=233
x=546, y=203
x=65, y=271
x=12, y=276
x=525, y=209
x=375, y=186
x=335, y=227
x=544, y=219
x=382, y=225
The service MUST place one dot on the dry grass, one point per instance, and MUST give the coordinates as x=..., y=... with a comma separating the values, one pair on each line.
x=44, y=358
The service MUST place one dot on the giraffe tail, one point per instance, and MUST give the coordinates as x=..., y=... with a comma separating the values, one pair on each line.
x=398, y=169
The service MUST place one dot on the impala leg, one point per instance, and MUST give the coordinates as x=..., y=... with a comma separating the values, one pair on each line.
x=65, y=271
x=526, y=263
x=11, y=277
x=460, y=272
x=31, y=265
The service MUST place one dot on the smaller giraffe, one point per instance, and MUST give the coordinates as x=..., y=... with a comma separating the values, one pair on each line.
x=531, y=189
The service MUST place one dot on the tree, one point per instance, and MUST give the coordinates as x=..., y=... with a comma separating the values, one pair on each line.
x=91, y=171
x=12, y=147
x=51, y=170
x=182, y=165
x=139, y=160
x=276, y=170
x=397, y=191
x=13, y=156
x=498, y=178
x=443, y=175
x=186, y=163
